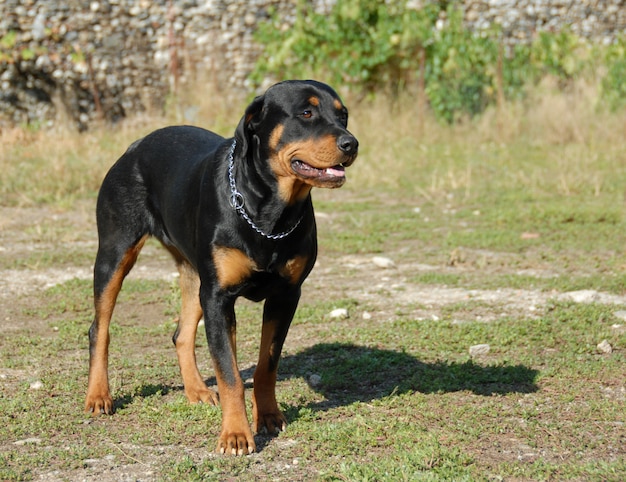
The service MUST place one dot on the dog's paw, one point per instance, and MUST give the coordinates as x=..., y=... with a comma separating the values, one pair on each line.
x=271, y=422
x=99, y=404
x=236, y=442
x=202, y=395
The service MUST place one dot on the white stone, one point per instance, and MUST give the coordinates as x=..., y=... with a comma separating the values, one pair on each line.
x=583, y=296
x=37, y=385
x=339, y=313
x=620, y=314
x=315, y=380
x=383, y=262
x=477, y=350
x=605, y=347
x=28, y=441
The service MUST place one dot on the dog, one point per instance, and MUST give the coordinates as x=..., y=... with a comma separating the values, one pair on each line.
x=236, y=215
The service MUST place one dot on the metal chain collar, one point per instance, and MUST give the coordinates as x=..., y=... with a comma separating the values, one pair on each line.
x=237, y=201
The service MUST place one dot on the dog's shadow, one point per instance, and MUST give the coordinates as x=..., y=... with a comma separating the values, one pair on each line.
x=345, y=373
x=348, y=373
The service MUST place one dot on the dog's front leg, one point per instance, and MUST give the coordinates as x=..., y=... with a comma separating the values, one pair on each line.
x=219, y=313
x=277, y=315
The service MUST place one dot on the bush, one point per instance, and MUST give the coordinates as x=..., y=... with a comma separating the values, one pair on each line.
x=365, y=43
x=372, y=46
x=613, y=85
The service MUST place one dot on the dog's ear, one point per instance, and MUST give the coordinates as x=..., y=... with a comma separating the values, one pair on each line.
x=250, y=119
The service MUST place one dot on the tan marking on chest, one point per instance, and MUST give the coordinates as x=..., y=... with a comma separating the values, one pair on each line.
x=232, y=265
x=294, y=269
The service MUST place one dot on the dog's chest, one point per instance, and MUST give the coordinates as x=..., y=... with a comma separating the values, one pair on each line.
x=258, y=275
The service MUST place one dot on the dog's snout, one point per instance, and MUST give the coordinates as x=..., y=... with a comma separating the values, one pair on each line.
x=347, y=144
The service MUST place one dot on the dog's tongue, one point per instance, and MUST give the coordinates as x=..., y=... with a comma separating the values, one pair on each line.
x=336, y=171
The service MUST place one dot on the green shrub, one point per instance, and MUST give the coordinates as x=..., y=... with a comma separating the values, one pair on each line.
x=460, y=78
x=613, y=85
x=363, y=43
x=371, y=46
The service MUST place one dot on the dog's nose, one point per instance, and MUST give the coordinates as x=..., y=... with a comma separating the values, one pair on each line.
x=347, y=144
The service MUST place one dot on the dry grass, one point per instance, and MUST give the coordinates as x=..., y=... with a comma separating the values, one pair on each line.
x=552, y=141
x=60, y=165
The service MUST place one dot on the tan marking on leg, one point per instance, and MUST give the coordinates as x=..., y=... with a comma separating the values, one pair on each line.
x=191, y=313
x=236, y=437
x=294, y=268
x=98, y=398
x=265, y=412
x=232, y=265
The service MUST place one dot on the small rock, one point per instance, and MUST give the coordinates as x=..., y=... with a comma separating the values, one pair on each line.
x=367, y=316
x=605, y=347
x=339, y=313
x=28, y=441
x=478, y=350
x=315, y=380
x=620, y=314
x=383, y=262
x=37, y=385
x=583, y=296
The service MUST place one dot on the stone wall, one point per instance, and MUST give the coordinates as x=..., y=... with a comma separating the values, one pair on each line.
x=109, y=58
x=600, y=20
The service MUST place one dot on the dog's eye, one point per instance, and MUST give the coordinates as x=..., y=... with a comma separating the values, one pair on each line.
x=307, y=114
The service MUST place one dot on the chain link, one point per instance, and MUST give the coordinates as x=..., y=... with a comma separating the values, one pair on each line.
x=237, y=200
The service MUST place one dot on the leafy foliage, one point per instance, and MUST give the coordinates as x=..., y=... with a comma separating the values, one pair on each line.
x=613, y=85
x=361, y=42
x=372, y=46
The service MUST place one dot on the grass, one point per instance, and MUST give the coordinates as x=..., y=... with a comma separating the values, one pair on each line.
x=398, y=399
x=529, y=199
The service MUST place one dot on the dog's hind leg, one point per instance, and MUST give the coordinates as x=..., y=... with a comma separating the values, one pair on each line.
x=113, y=262
x=185, y=336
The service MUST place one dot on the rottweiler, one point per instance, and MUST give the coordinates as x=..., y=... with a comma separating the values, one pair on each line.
x=237, y=217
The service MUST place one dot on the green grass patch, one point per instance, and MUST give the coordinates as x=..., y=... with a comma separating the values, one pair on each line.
x=397, y=399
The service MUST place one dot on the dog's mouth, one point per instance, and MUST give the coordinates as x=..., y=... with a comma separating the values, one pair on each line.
x=332, y=174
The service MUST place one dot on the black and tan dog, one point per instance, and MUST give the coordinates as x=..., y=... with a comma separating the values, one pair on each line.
x=237, y=216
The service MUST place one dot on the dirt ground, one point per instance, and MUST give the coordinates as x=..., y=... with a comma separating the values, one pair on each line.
x=30, y=236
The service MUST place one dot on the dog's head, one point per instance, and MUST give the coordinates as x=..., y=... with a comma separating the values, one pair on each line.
x=300, y=129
